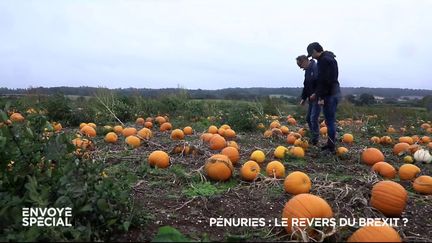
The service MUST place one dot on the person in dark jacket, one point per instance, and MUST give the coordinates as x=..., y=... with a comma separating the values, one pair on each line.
x=327, y=90
x=309, y=86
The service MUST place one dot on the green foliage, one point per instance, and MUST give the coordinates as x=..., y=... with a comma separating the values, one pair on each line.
x=170, y=234
x=39, y=169
x=58, y=108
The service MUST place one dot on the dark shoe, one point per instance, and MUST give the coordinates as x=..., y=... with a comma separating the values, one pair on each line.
x=329, y=148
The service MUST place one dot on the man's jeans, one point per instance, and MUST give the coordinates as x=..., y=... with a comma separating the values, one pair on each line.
x=312, y=116
x=329, y=110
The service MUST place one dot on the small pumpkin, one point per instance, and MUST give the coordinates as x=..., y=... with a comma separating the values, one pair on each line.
x=292, y=121
x=88, y=131
x=166, y=126
x=188, y=130
x=386, y=140
x=111, y=137
x=206, y=137
x=177, y=134
x=323, y=131
x=217, y=142
x=408, y=159
x=297, y=152
x=129, y=131
x=275, y=124
x=212, y=129
x=268, y=133
x=258, y=156
x=275, y=169
x=145, y=133
x=385, y=169
x=219, y=167
x=348, y=138
x=408, y=171
x=423, y=184
x=370, y=156
x=280, y=152
x=160, y=120
x=389, y=197
x=406, y=139
x=297, y=182
x=148, y=124
x=118, y=129
x=133, y=141
x=140, y=121
x=375, y=139
x=232, y=153
x=284, y=129
x=159, y=159
x=233, y=144
x=250, y=170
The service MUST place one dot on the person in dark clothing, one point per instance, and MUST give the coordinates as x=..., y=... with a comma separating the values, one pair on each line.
x=309, y=86
x=327, y=90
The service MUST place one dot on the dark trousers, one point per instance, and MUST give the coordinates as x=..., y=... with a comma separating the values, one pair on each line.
x=329, y=110
x=312, y=116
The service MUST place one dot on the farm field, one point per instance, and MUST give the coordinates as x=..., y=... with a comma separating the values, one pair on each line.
x=117, y=192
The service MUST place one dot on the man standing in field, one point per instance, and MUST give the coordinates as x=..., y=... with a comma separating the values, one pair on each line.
x=327, y=91
x=309, y=85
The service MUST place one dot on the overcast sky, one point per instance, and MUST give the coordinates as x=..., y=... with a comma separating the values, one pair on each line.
x=211, y=44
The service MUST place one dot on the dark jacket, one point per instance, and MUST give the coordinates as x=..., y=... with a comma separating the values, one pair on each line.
x=310, y=80
x=327, y=83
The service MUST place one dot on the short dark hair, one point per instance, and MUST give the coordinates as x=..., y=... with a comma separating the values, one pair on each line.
x=302, y=58
x=314, y=46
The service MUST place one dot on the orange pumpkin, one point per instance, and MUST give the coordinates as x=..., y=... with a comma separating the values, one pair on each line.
x=166, y=126
x=275, y=124
x=292, y=121
x=145, y=133
x=148, y=124
x=408, y=171
x=406, y=139
x=375, y=139
x=177, y=134
x=297, y=152
x=400, y=148
x=217, y=142
x=370, y=156
x=386, y=140
x=382, y=233
x=275, y=169
x=140, y=121
x=229, y=133
x=250, y=170
x=111, y=137
x=284, y=129
x=129, y=131
x=233, y=144
x=118, y=129
x=88, y=131
x=206, y=137
x=389, y=197
x=188, y=130
x=347, y=138
x=425, y=139
x=232, y=153
x=268, y=134
x=16, y=117
x=423, y=184
x=160, y=120
x=133, y=141
x=213, y=129
x=305, y=206
x=297, y=182
x=385, y=169
x=219, y=167
x=258, y=156
x=159, y=159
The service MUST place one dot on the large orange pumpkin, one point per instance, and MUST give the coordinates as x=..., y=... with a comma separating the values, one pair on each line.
x=250, y=170
x=232, y=153
x=217, y=142
x=219, y=167
x=305, y=206
x=383, y=233
x=385, y=169
x=88, y=131
x=400, y=148
x=371, y=156
x=389, y=197
x=297, y=182
x=159, y=159
x=408, y=171
x=423, y=184
x=275, y=169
